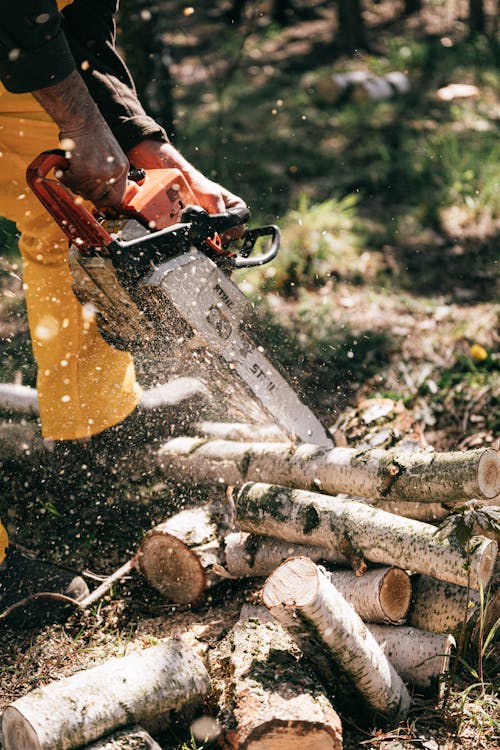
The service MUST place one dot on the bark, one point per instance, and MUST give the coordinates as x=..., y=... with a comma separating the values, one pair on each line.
x=420, y=658
x=299, y=587
x=270, y=700
x=374, y=473
x=19, y=399
x=134, y=738
x=179, y=557
x=428, y=512
x=248, y=555
x=310, y=518
x=381, y=595
x=240, y=431
x=440, y=607
x=82, y=708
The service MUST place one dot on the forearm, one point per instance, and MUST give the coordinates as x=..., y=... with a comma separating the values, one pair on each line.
x=69, y=104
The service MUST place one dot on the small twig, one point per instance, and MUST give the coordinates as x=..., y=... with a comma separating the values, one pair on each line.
x=47, y=595
x=97, y=593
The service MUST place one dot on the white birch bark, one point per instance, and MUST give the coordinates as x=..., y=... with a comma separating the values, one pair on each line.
x=427, y=512
x=440, y=607
x=20, y=399
x=241, y=431
x=380, y=595
x=248, y=555
x=304, y=517
x=375, y=473
x=274, y=701
x=134, y=738
x=420, y=658
x=179, y=557
x=122, y=691
x=299, y=586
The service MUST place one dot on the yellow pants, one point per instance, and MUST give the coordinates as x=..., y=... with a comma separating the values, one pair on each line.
x=84, y=385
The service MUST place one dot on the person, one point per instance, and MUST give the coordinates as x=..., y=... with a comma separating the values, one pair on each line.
x=63, y=82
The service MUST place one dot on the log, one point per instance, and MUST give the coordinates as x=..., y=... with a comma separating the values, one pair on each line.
x=440, y=607
x=270, y=699
x=373, y=473
x=299, y=587
x=381, y=595
x=420, y=658
x=82, y=708
x=19, y=399
x=134, y=738
x=248, y=555
x=177, y=557
x=240, y=431
x=310, y=518
x=427, y=512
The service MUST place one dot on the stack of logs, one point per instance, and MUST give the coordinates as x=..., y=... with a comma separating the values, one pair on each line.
x=357, y=598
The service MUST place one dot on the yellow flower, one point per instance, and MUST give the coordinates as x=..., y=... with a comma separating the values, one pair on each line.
x=478, y=353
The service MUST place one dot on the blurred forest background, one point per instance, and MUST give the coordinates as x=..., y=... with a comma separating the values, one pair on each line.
x=368, y=131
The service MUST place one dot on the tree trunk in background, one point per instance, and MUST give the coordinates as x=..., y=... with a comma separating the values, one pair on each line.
x=412, y=6
x=351, y=34
x=146, y=54
x=477, y=24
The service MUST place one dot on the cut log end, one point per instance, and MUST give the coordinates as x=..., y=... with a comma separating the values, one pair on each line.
x=488, y=474
x=172, y=568
x=295, y=583
x=18, y=734
x=293, y=735
x=395, y=594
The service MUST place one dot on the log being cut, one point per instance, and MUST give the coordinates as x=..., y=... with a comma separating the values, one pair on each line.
x=270, y=701
x=374, y=473
x=302, y=598
x=82, y=708
x=304, y=517
x=420, y=658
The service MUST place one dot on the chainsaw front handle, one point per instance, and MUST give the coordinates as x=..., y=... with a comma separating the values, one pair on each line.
x=250, y=237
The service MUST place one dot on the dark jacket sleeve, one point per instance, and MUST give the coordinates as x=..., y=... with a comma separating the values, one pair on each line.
x=50, y=45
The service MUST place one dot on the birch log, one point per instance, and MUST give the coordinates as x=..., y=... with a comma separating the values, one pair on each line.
x=248, y=555
x=82, y=708
x=270, y=701
x=381, y=595
x=134, y=738
x=242, y=431
x=178, y=556
x=440, y=607
x=20, y=399
x=299, y=586
x=304, y=517
x=373, y=473
x=420, y=658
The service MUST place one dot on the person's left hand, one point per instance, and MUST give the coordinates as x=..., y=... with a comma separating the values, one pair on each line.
x=151, y=154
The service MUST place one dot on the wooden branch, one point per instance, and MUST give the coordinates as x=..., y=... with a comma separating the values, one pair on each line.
x=82, y=708
x=248, y=555
x=134, y=738
x=304, y=517
x=298, y=587
x=19, y=399
x=374, y=473
x=440, y=607
x=420, y=658
x=105, y=586
x=269, y=699
x=381, y=595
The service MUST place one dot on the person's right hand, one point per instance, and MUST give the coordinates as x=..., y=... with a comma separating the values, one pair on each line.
x=98, y=168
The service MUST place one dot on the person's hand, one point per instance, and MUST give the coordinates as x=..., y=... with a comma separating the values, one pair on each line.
x=211, y=196
x=98, y=168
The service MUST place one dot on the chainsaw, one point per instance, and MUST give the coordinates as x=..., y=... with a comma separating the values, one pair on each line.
x=157, y=272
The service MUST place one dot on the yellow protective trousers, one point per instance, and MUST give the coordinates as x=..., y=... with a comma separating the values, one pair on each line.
x=84, y=385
